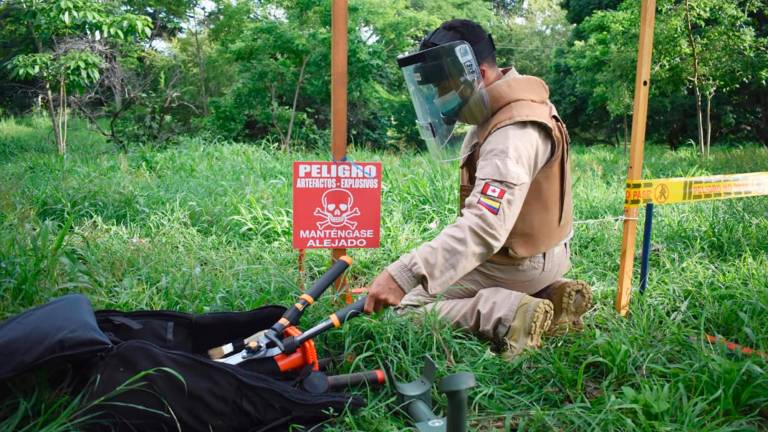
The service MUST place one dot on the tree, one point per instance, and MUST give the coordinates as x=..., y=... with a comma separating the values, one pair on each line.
x=273, y=54
x=270, y=41
x=529, y=36
x=709, y=47
x=167, y=16
x=695, y=68
x=198, y=17
x=728, y=47
x=70, y=38
x=580, y=10
x=593, y=79
x=701, y=49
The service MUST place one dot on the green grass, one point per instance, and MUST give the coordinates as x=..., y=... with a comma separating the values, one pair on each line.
x=204, y=227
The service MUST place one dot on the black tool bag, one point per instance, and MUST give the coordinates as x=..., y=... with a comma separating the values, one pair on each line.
x=148, y=370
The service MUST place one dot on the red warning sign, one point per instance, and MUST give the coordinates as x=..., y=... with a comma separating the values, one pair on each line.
x=336, y=205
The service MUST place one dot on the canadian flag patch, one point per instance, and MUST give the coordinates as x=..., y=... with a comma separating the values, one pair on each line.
x=493, y=191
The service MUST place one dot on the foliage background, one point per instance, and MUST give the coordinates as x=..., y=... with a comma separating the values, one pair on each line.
x=253, y=69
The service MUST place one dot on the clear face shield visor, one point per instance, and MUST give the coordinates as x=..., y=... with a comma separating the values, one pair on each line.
x=445, y=87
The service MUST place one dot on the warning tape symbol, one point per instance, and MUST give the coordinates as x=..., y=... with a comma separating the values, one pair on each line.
x=661, y=193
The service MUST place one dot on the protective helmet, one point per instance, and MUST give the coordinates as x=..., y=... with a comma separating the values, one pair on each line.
x=446, y=86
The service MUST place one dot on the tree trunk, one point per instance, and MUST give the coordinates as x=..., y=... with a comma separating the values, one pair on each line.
x=295, y=101
x=761, y=129
x=201, y=70
x=117, y=85
x=63, y=116
x=697, y=92
x=626, y=135
x=57, y=133
x=709, y=121
x=54, y=120
x=699, y=120
x=273, y=110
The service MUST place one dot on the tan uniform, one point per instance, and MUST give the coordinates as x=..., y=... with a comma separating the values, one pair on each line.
x=468, y=273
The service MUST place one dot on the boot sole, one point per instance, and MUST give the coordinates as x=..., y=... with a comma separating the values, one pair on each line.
x=576, y=300
x=540, y=323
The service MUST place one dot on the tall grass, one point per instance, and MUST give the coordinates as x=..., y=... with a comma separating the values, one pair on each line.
x=202, y=227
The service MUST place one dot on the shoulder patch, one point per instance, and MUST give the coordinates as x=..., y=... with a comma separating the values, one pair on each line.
x=489, y=204
x=493, y=191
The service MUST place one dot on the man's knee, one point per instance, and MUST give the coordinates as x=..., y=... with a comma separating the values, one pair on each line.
x=497, y=296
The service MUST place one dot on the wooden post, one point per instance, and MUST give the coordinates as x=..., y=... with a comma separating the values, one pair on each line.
x=637, y=142
x=339, y=19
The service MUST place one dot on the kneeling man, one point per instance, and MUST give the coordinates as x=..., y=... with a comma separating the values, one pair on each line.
x=498, y=269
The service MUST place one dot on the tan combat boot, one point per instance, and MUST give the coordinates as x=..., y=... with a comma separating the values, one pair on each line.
x=571, y=299
x=532, y=319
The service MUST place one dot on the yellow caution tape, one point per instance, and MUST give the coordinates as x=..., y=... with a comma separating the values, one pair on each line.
x=676, y=190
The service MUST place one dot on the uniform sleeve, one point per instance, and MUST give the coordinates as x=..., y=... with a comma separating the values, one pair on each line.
x=509, y=160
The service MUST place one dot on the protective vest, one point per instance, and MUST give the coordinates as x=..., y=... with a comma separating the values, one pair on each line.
x=546, y=218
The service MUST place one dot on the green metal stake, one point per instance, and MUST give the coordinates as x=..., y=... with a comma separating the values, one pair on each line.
x=416, y=399
x=455, y=387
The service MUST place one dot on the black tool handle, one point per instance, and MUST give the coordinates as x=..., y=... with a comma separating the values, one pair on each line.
x=349, y=312
x=374, y=377
x=329, y=277
x=294, y=313
x=334, y=320
x=318, y=382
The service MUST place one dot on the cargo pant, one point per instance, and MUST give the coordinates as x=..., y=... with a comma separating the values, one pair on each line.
x=485, y=300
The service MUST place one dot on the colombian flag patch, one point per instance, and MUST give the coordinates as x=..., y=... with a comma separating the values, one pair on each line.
x=489, y=204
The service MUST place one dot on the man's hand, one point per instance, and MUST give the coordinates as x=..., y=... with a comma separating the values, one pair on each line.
x=383, y=292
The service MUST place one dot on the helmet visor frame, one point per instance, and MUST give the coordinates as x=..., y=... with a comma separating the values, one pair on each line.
x=445, y=86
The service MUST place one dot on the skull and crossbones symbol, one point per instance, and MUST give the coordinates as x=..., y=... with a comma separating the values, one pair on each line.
x=337, y=209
